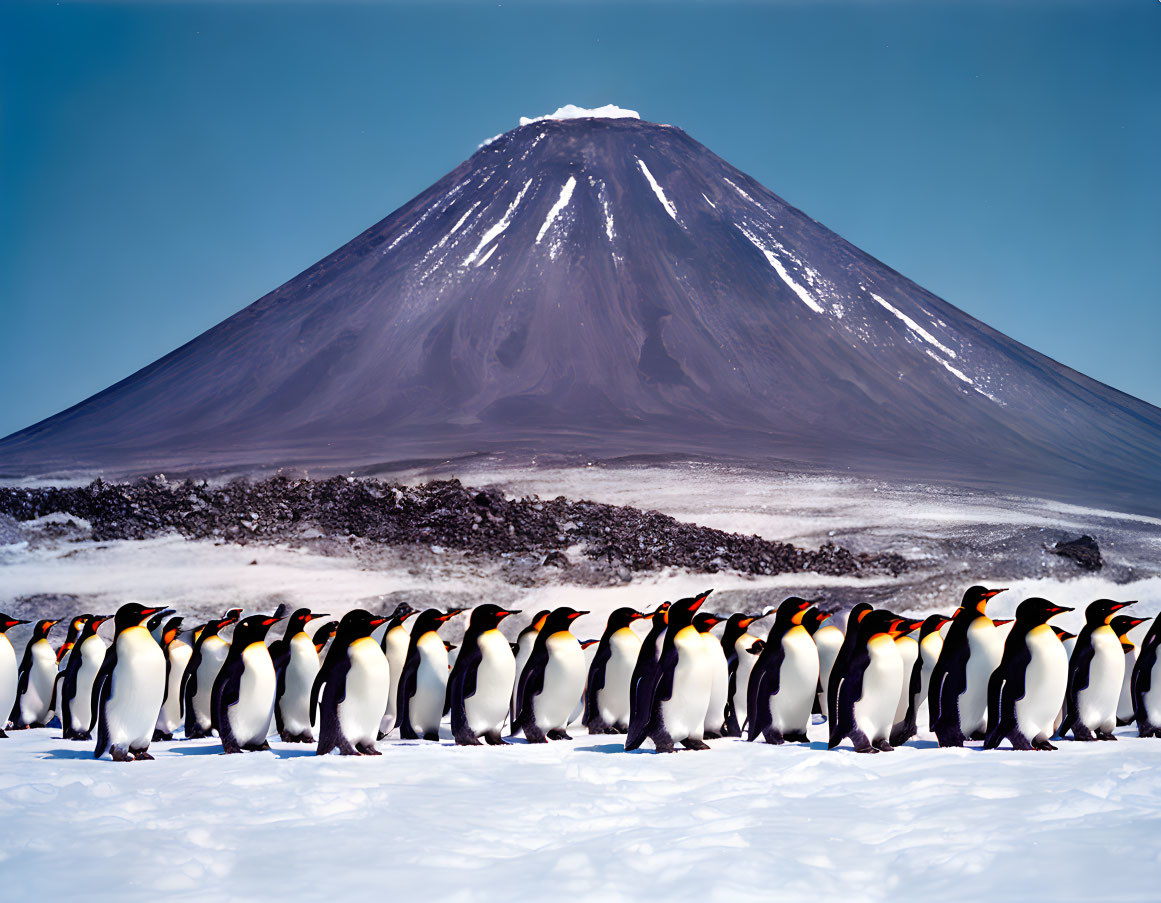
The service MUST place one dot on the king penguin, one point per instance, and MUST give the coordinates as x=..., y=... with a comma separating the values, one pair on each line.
x=129, y=687
x=423, y=681
x=36, y=677
x=715, y=715
x=738, y=646
x=1028, y=686
x=908, y=647
x=8, y=670
x=480, y=686
x=197, y=683
x=842, y=657
x=868, y=685
x=784, y=682
x=917, y=682
x=680, y=690
x=645, y=670
x=1096, y=671
x=324, y=635
x=958, y=698
x=350, y=692
x=552, y=681
x=396, y=642
x=1146, y=684
x=177, y=655
x=607, y=686
x=76, y=687
x=828, y=639
x=525, y=640
x=1122, y=625
x=242, y=700
x=76, y=625
x=296, y=665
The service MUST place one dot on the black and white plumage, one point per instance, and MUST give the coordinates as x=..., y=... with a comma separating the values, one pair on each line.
x=422, y=694
x=1146, y=683
x=868, y=685
x=481, y=679
x=350, y=692
x=552, y=681
x=177, y=655
x=242, y=699
x=75, y=692
x=8, y=669
x=129, y=688
x=209, y=653
x=610, y=673
x=1096, y=670
x=958, y=696
x=784, y=683
x=296, y=665
x=36, y=679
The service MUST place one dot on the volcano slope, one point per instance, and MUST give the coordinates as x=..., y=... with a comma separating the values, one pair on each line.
x=600, y=288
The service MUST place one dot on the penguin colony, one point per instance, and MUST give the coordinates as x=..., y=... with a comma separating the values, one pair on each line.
x=351, y=682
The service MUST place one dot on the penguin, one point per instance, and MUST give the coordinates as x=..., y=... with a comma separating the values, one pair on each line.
x=740, y=658
x=645, y=670
x=242, y=699
x=479, y=688
x=552, y=680
x=784, y=682
x=75, y=695
x=324, y=635
x=423, y=681
x=36, y=679
x=156, y=624
x=1027, y=687
x=197, y=683
x=715, y=715
x=958, y=697
x=177, y=655
x=296, y=665
x=607, y=686
x=525, y=640
x=396, y=641
x=589, y=648
x=917, y=682
x=841, y=658
x=129, y=688
x=1145, y=686
x=828, y=639
x=1096, y=671
x=679, y=693
x=1121, y=625
x=908, y=647
x=867, y=688
x=76, y=625
x=349, y=695
x=8, y=669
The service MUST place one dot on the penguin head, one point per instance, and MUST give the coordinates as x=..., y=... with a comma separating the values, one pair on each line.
x=131, y=614
x=975, y=600
x=560, y=619
x=1122, y=624
x=790, y=613
x=40, y=631
x=232, y=615
x=432, y=619
x=355, y=625
x=813, y=619
x=94, y=622
x=77, y=624
x=931, y=624
x=621, y=618
x=172, y=629
x=253, y=629
x=323, y=634
x=300, y=619
x=858, y=614
x=7, y=622
x=1035, y=611
x=705, y=622
x=156, y=618
x=402, y=612
x=1101, y=611
x=537, y=622
x=735, y=627
x=214, y=626
x=682, y=611
x=488, y=616
x=875, y=622
x=907, y=626
x=756, y=647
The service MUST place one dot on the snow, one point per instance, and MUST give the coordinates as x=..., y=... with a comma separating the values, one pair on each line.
x=665, y=202
x=603, y=195
x=708, y=201
x=497, y=228
x=572, y=111
x=916, y=328
x=439, y=822
x=785, y=276
x=561, y=202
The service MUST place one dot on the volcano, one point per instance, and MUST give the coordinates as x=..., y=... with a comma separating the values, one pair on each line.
x=602, y=287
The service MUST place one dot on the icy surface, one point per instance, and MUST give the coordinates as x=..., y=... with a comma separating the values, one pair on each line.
x=572, y=111
x=781, y=270
x=561, y=202
x=495, y=231
x=665, y=202
x=438, y=822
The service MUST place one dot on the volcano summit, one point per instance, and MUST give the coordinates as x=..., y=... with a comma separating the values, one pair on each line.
x=601, y=286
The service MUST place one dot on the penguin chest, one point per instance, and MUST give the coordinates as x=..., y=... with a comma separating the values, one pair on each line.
x=365, y=692
x=1125, y=702
x=430, y=684
x=38, y=696
x=138, y=684
x=719, y=682
x=908, y=653
x=683, y=714
x=8, y=678
x=250, y=716
x=1045, y=680
x=613, y=698
x=875, y=709
x=81, y=705
x=301, y=670
x=746, y=662
x=1151, y=700
x=985, y=649
x=828, y=640
x=214, y=651
x=523, y=653
x=564, y=682
x=495, y=672
x=1097, y=703
x=797, y=682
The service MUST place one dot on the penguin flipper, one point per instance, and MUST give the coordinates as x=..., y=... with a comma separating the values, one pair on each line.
x=531, y=683
x=330, y=734
x=226, y=692
x=102, y=689
x=1078, y=679
x=595, y=681
x=189, y=689
x=951, y=671
x=768, y=670
x=461, y=686
x=906, y=729
x=408, y=679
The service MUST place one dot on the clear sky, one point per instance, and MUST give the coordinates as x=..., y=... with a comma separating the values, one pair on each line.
x=163, y=165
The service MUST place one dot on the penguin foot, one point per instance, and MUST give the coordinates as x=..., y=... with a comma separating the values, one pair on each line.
x=663, y=742
x=1082, y=733
x=1042, y=745
x=1105, y=735
x=712, y=735
x=466, y=738
x=866, y=749
x=432, y=735
x=142, y=756
x=120, y=754
x=694, y=743
x=3, y=734
x=882, y=745
x=558, y=734
x=264, y=746
x=382, y=735
x=597, y=726
x=797, y=737
x=773, y=737
x=368, y=749
x=494, y=739
x=160, y=735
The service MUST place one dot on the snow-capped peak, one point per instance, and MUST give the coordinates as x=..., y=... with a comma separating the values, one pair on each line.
x=572, y=111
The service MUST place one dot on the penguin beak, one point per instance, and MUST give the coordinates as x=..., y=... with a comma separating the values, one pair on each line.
x=576, y=614
x=504, y=614
x=12, y=622
x=270, y=622
x=314, y=616
x=698, y=602
x=375, y=622
x=994, y=592
x=410, y=614
x=1119, y=605
x=1058, y=610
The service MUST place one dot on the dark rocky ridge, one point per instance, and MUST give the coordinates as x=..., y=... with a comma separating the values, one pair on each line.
x=440, y=513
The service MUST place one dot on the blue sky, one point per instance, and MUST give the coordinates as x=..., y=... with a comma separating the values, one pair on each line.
x=164, y=165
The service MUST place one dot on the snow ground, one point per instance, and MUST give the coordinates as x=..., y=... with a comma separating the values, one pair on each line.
x=582, y=818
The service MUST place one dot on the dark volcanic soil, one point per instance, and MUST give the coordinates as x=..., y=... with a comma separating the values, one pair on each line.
x=440, y=513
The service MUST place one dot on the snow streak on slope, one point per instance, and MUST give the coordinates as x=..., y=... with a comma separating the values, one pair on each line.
x=561, y=202
x=665, y=202
x=773, y=260
x=495, y=231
